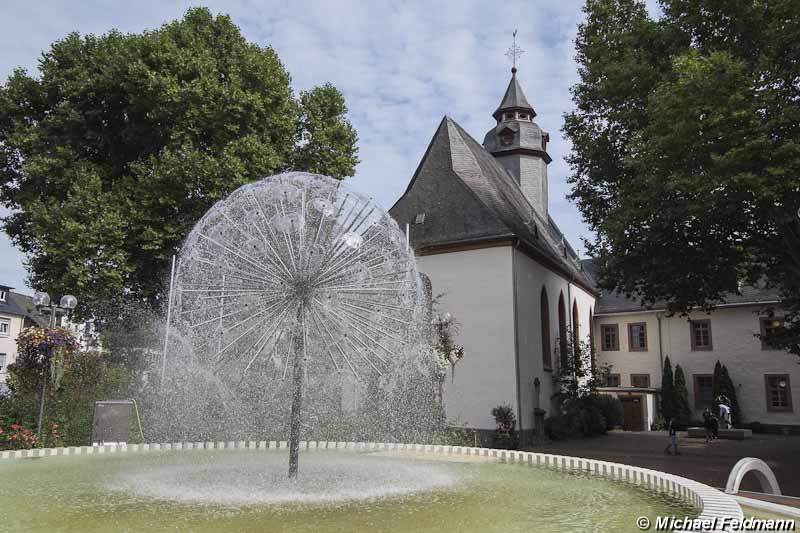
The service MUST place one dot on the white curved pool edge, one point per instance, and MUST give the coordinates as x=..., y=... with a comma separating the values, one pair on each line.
x=712, y=503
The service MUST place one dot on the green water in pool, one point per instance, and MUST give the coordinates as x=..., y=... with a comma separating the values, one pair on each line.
x=247, y=490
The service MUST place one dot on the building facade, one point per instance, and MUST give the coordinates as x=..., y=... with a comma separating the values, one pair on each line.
x=17, y=312
x=635, y=342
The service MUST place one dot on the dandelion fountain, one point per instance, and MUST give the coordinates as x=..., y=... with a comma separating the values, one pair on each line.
x=297, y=272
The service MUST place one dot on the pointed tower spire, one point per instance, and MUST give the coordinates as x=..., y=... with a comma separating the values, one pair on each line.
x=514, y=99
x=518, y=143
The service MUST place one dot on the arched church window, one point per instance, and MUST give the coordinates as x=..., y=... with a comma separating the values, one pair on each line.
x=576, y=336
x=544, y=312
x=562, y=328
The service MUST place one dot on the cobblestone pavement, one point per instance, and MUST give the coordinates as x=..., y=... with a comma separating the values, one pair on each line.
x=707, y=463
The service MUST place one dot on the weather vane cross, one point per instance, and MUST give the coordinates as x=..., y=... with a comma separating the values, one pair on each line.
x=514, y=52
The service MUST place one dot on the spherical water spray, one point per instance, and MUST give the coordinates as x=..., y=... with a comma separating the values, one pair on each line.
x=295, y=273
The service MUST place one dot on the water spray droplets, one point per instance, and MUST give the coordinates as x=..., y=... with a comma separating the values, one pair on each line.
x=298, y=242
x=353, y=240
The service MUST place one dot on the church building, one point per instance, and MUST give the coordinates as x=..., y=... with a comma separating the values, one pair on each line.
x=481, y=231
x=480, y=228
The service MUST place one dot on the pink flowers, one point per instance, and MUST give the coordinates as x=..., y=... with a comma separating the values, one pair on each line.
x=17, y=438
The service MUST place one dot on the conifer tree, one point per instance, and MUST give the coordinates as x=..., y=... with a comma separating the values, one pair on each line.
x=729, y=391
x=716, y=387
x=681, y=400
x=667, y=391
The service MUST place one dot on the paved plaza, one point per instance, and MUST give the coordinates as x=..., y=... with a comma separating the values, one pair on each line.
x=708, y=463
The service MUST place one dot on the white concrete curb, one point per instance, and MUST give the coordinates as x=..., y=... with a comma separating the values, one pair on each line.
x=713, y=504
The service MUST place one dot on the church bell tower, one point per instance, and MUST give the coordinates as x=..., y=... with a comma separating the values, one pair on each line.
x=519, y=144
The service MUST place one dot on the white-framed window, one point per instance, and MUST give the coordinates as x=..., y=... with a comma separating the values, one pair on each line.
x=3, y=294
x=3, y=361
x=5, y=327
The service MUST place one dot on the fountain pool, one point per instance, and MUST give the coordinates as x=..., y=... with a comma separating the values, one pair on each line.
x=247, y=490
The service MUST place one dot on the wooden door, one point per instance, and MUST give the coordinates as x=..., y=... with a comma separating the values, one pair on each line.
x=632, y=413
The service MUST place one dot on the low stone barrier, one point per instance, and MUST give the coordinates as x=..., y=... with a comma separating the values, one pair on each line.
x=714, y=505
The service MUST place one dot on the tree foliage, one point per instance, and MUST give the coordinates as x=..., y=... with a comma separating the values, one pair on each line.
x=686, y=144
x=574, y=378
x=122, y=141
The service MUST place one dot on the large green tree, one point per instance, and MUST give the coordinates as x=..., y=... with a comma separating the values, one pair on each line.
x=122, y=141
x=686, y=148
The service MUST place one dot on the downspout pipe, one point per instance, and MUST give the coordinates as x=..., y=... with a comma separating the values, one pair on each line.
x=659, y=316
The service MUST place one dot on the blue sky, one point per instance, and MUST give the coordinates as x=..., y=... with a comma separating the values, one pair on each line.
x=401, y=66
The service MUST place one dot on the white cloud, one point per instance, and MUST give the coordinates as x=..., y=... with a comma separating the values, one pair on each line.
x=400, y=65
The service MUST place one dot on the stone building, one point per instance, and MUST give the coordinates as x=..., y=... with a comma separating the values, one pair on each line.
x=479, y=225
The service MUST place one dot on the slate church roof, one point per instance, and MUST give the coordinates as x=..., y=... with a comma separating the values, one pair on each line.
x=463, y=195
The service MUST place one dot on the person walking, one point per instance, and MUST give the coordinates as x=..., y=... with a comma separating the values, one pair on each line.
x=708, y=424
x=714, y=427
x=673, y=440
x=725, y=412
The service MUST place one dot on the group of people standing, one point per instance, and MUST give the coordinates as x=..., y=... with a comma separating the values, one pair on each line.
x=711, y=423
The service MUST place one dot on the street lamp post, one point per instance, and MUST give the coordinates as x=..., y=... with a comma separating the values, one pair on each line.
x=42, y=302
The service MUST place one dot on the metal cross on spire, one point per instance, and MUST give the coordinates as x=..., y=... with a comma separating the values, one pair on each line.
x=514, y=52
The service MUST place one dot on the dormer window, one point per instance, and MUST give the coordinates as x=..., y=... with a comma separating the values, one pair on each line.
x=506, y=137
x=3, y=295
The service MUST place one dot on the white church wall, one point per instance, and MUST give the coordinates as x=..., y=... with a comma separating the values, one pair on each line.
x=530, y=277
x=477, y=289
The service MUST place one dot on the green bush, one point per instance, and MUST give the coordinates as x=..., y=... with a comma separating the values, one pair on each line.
x=585, y=417
x=611, y=408
x=658, y=424
x=69, y=406
x=560, y=427
x=505, y=436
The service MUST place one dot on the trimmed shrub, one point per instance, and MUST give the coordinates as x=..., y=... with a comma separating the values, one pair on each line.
x=505, y=436
x=611, y=409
